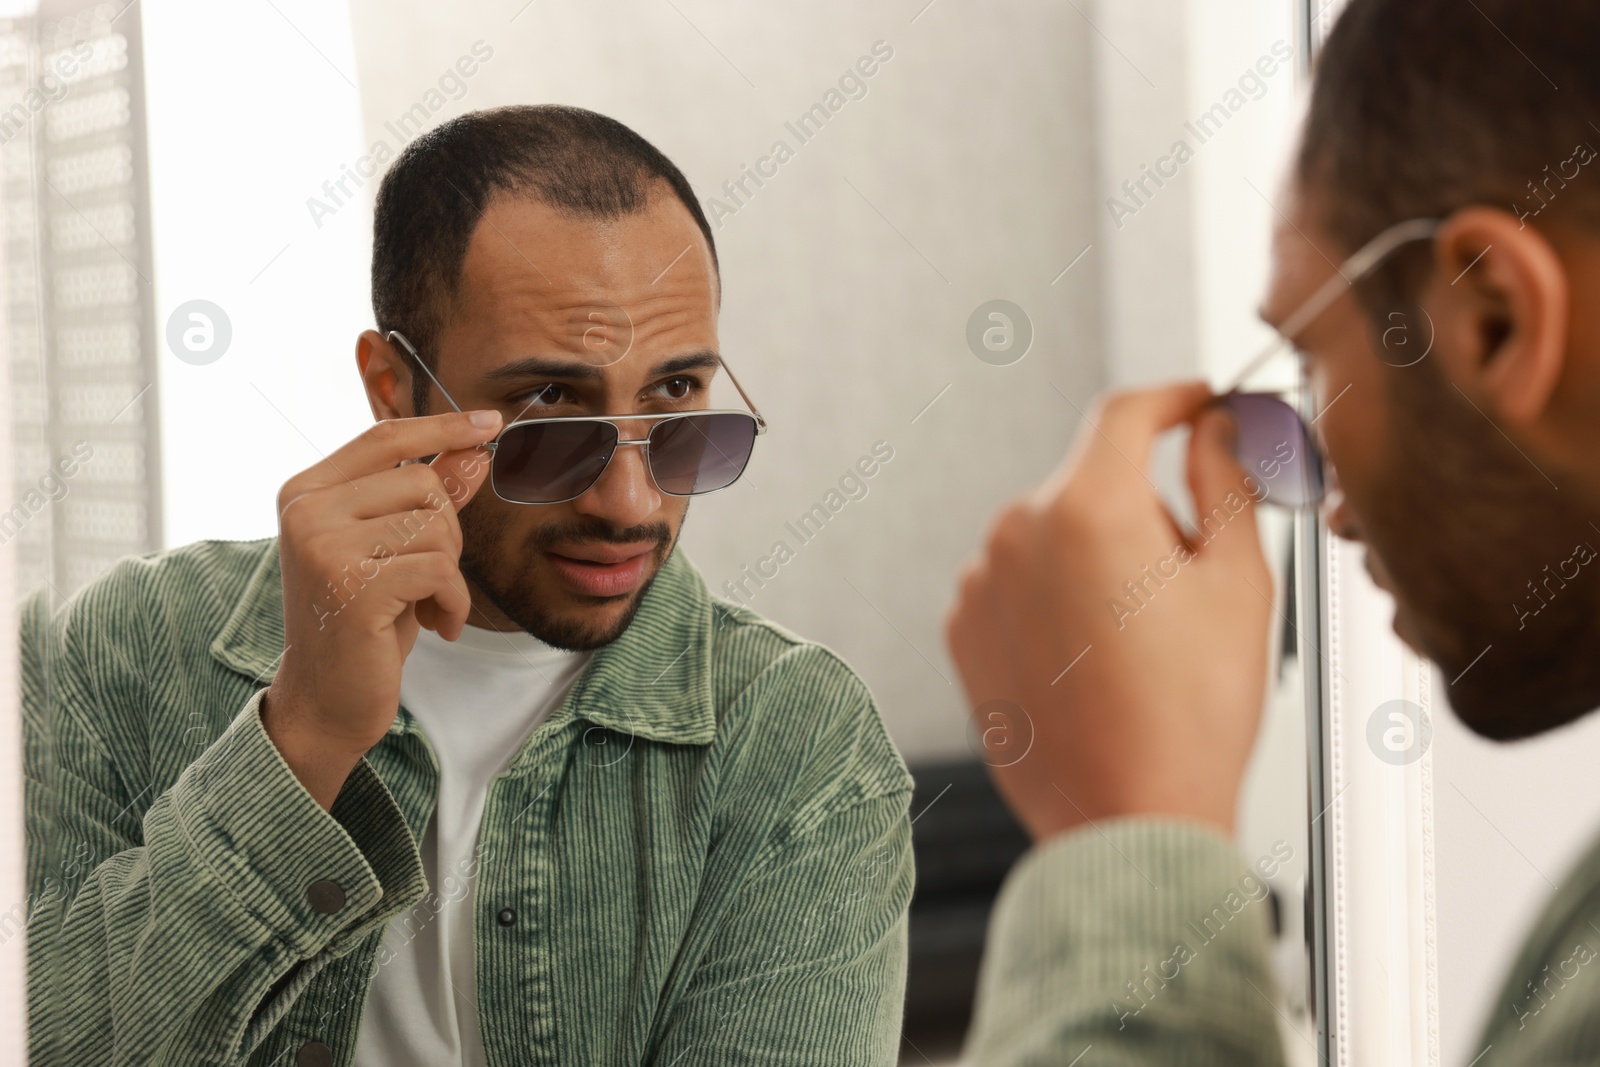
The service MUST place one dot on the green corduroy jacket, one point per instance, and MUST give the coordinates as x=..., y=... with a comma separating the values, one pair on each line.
x=707, y=845
x=1102, y=949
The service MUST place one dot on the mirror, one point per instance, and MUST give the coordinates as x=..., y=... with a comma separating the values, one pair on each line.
x=940, y=230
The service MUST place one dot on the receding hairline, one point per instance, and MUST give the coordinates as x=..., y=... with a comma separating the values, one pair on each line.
x=432, y=199
x=659, y=195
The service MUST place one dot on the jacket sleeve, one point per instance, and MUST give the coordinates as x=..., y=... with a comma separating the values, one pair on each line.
x=178, y=926
x=810, y=965
x=1142, y=939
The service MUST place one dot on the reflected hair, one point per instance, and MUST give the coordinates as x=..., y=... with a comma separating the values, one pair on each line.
x=581, y=163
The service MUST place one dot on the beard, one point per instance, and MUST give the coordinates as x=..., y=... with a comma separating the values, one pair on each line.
x=507, y=585
x=1480, y=548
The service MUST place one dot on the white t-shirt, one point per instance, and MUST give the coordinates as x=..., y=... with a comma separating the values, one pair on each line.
x=476, y=700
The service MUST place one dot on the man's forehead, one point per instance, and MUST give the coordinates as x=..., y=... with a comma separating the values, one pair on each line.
x=540, y=279
x=1302, y=258
x=568, y=260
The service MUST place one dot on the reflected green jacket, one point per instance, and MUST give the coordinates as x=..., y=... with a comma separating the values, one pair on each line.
x=707, y=845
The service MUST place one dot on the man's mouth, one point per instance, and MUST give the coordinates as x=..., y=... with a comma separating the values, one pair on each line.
x=601, y=570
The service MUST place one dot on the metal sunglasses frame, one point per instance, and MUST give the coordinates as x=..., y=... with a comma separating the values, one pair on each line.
x=1368, y=258
x=396, y=337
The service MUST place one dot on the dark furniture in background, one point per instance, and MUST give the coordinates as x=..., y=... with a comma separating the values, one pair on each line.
x=965, y=841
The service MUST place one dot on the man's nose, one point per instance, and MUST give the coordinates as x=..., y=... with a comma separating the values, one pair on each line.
x=1336, y=513
x=625, y=495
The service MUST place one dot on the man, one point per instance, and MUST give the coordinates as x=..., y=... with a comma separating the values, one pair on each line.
x=1479, y=116
x=466, y=766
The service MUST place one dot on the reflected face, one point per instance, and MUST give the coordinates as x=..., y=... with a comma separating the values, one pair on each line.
x=1487, y=562
x=560, y=316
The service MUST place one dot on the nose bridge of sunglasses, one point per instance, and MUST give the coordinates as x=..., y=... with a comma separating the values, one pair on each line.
x=635, y=430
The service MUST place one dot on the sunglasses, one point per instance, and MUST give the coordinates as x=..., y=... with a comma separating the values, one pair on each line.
x=548, y=461
x=1275, y=443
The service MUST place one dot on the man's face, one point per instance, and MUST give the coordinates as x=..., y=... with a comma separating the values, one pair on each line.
x=561, y=316
x=1491, y=567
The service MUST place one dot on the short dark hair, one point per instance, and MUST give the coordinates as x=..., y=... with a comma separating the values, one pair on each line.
x=1422, y=107
x=428, y=205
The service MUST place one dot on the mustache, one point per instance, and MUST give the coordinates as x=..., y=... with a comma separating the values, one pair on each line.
x=598, y=530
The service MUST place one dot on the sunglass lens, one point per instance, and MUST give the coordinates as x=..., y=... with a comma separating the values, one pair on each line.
x=701, y=453
x=1275, y=448
x=543, y=463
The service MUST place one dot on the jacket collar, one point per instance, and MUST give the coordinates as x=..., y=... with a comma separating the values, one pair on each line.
x=652, y=682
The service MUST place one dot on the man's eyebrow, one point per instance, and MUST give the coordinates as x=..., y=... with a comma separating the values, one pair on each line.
x=542, y=367
x=577, y=370
x=692, y=361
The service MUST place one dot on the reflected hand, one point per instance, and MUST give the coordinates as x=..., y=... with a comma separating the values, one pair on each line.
x=370, y=551
x=1166, y=632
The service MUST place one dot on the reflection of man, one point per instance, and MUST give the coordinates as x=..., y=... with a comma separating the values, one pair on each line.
x=519, y=789
x=1448, y=470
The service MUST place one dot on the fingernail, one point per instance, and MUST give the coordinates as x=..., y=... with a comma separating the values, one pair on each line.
x=485, y=419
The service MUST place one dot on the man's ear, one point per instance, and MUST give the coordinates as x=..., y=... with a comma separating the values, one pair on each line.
x=386, y=375
x=1501, y=295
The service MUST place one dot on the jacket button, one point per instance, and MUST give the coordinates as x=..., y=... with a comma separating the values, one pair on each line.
x=506, y=917
x=314, y=1054
x=325, y=896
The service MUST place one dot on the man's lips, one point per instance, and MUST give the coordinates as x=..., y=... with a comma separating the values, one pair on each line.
x=600, y=569
x=603, y=553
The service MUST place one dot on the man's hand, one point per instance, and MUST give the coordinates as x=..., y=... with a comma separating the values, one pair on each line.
x=1165, y=632
x=370, y=551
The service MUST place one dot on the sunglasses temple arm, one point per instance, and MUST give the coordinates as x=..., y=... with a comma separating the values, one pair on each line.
x=1356, y=268
x=396, y=337
x=761, y=422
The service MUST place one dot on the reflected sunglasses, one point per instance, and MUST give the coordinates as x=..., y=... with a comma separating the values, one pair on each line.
x=549, y=461
x=1275, y=443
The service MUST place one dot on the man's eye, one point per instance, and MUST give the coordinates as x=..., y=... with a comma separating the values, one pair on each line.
x=679, y=388
x=544, y=396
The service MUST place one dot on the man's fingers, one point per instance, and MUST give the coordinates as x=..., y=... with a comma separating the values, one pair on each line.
x=463, y=472
x=1130, y=422
x=1123, y=428
x=425, y=576
x=1223, y=498
x=392, y=441
x=444, y=485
